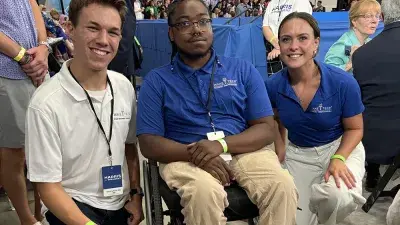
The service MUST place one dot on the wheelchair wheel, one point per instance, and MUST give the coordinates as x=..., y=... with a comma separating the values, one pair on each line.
x=157, y=204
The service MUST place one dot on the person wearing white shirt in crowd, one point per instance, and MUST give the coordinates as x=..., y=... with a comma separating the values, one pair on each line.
x=276, y=11
x=81, y=128
x=138, y=10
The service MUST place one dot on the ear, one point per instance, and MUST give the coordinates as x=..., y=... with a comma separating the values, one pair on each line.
x=171, y=34
x=316, y=44
x=353, y=22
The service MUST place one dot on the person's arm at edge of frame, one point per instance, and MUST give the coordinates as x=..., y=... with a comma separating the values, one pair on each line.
x=39, y=22
x=8, y=47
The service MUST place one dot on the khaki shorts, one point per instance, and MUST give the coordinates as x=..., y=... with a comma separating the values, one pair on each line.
x=14, y=101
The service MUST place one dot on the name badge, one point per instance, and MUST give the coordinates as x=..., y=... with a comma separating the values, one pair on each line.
x=213, y=136
x=112, y=180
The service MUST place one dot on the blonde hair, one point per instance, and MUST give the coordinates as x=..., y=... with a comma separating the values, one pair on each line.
x=361, y=7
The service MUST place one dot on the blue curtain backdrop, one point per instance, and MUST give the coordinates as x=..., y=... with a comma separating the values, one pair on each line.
x=242, y=38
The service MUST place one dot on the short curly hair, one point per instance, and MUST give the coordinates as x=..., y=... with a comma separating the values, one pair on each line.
x=75, y=8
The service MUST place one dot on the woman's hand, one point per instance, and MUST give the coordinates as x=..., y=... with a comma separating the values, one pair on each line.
x=338, y=169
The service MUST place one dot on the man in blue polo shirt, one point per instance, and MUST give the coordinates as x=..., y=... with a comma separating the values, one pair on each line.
x=200, y=106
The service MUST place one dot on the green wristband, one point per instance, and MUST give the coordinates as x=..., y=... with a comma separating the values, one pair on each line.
x=338, y=157
x=224, y=144
x=90, y=223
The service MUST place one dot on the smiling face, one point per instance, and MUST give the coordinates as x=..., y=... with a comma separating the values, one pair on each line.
x=96, y=36
x=297, y=43
x=193, y=41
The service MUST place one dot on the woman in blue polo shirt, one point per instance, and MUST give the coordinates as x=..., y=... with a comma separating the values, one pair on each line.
x=321, y=108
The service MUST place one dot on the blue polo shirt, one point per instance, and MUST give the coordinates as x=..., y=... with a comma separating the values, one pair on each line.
x=337, y=97
x=169, y=103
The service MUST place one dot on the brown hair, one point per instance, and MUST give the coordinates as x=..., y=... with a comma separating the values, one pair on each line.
x=360, y=7
x=75, y=8
x=304, y=16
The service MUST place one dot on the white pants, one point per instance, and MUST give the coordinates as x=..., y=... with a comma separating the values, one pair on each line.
x=321, y=202
x=393, y=216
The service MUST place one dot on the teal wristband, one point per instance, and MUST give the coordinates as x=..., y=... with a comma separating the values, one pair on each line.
x=338, y=157
x=90, y=223
x=224, y=145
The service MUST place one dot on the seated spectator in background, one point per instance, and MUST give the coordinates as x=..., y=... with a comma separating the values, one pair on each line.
x=219, y=112
x=151, y=11
x=364, y=18
x=376, y=68
x=274, y=14
x=71, y=154
x=319, y=7
x=55, y=15
x=138, y=10
x=242, y=8
x=321, y=108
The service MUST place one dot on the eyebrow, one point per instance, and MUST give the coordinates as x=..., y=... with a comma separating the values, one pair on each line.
x=98, y=25
x=187, y=17
x=286, y=35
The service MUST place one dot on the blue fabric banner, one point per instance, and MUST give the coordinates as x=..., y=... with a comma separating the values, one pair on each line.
x=240, y=41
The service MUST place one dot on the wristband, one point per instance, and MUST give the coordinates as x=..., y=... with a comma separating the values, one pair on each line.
x=90, y=223
x=272, y=39
x=224, y=144
x=338, y=157
x=20, y=54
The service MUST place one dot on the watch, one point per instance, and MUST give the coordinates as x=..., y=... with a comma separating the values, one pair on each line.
x=136, y=191
x=47, y=45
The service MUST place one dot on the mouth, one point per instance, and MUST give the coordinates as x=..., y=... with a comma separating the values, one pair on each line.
x=194, y=40
x=294, y=56
x=99, y=52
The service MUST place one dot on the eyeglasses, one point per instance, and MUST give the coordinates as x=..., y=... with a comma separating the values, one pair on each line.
x=186, y=26
x=370, y=17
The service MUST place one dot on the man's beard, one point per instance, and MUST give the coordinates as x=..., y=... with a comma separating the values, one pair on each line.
x=193, y=56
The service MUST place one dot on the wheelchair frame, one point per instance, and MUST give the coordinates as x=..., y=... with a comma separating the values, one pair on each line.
x=153, y=203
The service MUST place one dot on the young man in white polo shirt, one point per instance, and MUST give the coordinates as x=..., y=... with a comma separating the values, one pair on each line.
x=80, y=127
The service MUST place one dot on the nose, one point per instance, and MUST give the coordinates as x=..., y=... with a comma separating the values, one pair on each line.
x=294, y=45
x=102, y=38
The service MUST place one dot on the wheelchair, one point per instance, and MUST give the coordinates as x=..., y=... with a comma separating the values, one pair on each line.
x=156, y=189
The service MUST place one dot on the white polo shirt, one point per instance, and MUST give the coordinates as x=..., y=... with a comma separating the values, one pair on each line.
x=277, y=10
x=65, y=144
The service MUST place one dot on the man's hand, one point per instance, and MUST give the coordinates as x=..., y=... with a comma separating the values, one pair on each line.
x=37, y=68
x=219, y=169
x=339, y=170
x=274, y=54
x=134, y=207
x=203, y=151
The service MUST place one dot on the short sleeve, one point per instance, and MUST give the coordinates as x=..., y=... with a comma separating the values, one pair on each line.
x=131, y=138
x=303, y=6
x=258, y=103
x=150, y=117
x=266, y=15
x=352, y=102
x=42, y=148
x=271, y=91
x=335, y=55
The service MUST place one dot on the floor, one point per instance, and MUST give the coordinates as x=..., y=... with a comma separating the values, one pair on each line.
x=376, y=216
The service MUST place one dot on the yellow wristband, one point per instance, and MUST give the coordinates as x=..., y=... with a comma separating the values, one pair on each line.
x=272, y=39
x=338, y=157
x=20, y=54
x=90, y=223
x=224, y=144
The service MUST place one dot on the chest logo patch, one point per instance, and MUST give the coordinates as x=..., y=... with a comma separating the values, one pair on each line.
x=322, y=109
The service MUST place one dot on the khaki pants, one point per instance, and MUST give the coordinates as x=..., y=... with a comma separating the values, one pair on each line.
x=393, y=215
x=323, y=202
x=204, y=199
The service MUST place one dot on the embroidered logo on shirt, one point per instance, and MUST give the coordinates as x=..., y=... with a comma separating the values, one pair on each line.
x=122, y=115
x=322, y=109
x=225, y=83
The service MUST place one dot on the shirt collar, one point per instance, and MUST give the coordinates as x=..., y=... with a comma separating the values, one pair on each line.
x=73, y=88
x=188, y=71
x=327, y=87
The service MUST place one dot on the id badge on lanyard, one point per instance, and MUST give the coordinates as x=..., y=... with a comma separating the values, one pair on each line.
x=111, y=175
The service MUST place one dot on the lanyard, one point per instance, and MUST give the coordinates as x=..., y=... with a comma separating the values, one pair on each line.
x=208, y=104
x=97, y=118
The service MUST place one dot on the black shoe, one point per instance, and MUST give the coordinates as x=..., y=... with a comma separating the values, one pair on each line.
x=372, y=181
